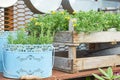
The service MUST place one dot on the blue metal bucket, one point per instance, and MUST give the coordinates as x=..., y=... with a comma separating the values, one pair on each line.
x=20, y=60
x=3, y=41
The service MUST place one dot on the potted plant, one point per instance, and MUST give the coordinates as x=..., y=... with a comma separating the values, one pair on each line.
x=29, y=54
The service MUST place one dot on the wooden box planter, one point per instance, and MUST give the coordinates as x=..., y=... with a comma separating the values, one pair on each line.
x=72, y=63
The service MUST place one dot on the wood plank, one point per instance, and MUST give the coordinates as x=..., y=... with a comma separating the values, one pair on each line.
x=58, y=75
x=62, y=63
x=97, y=37
x=71, y=22
x=63, y=37
x=96, y=62
x=72, y=55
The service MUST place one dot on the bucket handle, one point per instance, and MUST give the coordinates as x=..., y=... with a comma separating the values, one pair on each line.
x=53, y=57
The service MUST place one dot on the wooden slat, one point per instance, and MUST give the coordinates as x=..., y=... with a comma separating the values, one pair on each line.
x=72, y=55
x=62, y=63
x=63, y=37
x=96, y=62
x=98, y=37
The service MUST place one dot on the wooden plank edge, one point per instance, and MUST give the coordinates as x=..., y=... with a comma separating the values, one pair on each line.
x=97, y=62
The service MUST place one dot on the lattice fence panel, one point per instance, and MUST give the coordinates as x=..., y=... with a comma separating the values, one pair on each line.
x=1, y=19
x=22, y=14
x=8, y=19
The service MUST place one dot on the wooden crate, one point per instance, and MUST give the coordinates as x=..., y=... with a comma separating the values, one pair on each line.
x=72, y=64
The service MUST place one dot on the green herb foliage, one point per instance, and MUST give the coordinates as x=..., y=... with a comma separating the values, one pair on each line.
x=41, y=29
x=56, y=21
x=93, y=21
x=88, y=78
x=23, y=38
x=106, y=75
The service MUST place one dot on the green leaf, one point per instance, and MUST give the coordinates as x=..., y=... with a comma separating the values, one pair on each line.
x=104, y=73
x=106, y=78
x=110, y=72
x=116, y=77
x=98, y=77
x=88, y=78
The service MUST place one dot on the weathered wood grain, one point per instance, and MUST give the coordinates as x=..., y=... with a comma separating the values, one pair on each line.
x=97, y=37
x=63, y=37
x=72, y=39
x=63, y=63
x=72, y=55
x=97, y=62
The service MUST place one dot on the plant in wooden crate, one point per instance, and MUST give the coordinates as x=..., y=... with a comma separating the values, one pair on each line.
x=29, y=54
x=88, y=21
x=87, y=27
x=107, y=75
x=93, y=21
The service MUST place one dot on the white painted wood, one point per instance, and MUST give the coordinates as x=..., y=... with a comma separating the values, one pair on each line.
x=43, y=6
x=83, y=5
x=7, y=3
